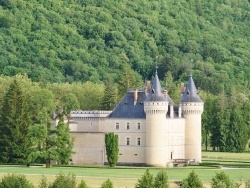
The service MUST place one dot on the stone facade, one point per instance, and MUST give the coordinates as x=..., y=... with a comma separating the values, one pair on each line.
x=152, y=131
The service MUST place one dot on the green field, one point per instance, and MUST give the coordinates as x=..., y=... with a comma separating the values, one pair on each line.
x=128, y=176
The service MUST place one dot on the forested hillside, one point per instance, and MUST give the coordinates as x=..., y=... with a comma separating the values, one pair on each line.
x=90, y=40
x=85, y=54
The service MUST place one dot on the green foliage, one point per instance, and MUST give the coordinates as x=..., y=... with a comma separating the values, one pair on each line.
x=192, y=181
x=14, y=126
x=43, y=183
x=112, y=148
x=15, y=181
x=221, y=180
x=64, y=181
x=146, y=181
x=64, y=142
x=107, y=184
x=82, y=184
x=161, y=180
x=247, y=184
x=110, y=96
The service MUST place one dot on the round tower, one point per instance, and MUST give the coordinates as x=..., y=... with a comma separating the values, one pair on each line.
x=155, y=108
x=192, y=108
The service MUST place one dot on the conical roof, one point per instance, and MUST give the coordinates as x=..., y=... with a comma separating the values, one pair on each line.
x=190, y=93
x=156, y=90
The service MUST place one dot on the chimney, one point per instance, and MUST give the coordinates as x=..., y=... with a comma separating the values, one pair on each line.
x=165, y=93
x=182, y=88
x=147, y=86
x=135, y=96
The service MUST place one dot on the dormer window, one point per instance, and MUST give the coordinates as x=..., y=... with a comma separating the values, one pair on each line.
x=117, y=125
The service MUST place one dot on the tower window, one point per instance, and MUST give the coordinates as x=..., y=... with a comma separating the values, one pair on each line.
x=117, y=125
x=127, y=125
x=127, y=141
x=139, y=126
x=138, y=141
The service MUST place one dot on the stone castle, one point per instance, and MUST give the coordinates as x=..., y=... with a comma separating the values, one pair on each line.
x=152, y=130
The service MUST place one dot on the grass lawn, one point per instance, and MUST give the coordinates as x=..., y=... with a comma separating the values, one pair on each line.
x=126, y=177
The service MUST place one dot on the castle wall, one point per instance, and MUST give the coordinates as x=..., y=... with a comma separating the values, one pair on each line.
x=174, y=130
x=89, y=148
x=131, y=134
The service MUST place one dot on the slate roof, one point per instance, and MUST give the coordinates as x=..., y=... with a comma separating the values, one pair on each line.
x=128, y=108
x=190, y=94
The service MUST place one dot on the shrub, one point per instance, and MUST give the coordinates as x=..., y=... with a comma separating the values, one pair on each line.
x=63, y=181
x=192, y=181
x=82, y=184
x=161, y=180
x=221, y=180
x=146, y=181
x=43, y=183
x=15, y=181
x=107, y=184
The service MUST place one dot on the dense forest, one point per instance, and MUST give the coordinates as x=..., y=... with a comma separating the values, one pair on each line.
x=85, y=54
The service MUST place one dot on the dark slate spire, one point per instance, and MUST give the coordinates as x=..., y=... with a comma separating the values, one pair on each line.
x=156, y=89
x=190, y=93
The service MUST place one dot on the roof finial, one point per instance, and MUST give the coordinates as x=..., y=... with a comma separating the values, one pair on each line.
x=156, y=67
x=191, y=71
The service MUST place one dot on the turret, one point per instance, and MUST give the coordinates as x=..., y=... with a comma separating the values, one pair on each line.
x=192, y=108
x=155, y=107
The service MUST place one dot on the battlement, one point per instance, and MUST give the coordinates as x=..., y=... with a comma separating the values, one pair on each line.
x=93, y=113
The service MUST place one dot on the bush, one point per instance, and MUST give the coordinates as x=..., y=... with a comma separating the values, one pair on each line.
x=146, y=181
x=15, y=181
x=192, y=181
x=161, y=180
x=221, y=180
x=82, y=184
x=107, y=184
x=43, y=183
x=63, y=181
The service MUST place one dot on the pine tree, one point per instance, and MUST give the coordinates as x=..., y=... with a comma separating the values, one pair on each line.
x=192, y=181
x=221, y=180
x=64, y=142
x=110, y=96
x=146, y=181
x=161, y=180
x=14, y=126
x=112, y=148
x=107, y=184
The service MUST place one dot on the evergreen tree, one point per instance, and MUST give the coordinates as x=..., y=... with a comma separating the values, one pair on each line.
x=192, y=181
x=110, y=96
x=82, y=184
x=237, y=137
x=221, y=180
x=107, y=184
x=161, y=180
x=146, y=181
x=15, y=181
x=220, y=122
x=14, y=126
x=64, y=142
x=127, y=80
x=112, y=148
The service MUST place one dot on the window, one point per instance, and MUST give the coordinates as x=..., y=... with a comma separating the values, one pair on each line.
x=127, y=141
x=127, y=125
x=138, y=141
x=139, y=126
x=117, y=125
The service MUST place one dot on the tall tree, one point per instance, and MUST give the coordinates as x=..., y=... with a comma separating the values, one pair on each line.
x=14, y=126
x=110, y=96
x=64, y=142
x=112, y=148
